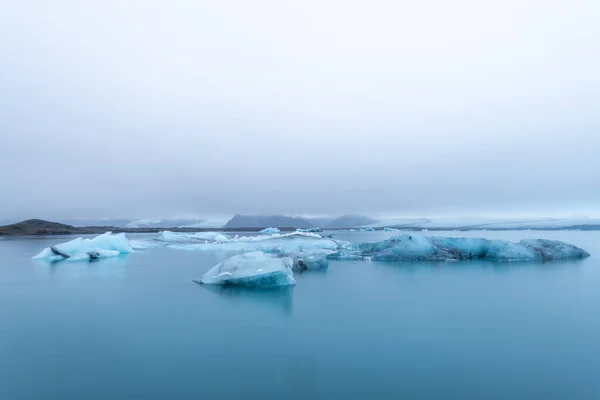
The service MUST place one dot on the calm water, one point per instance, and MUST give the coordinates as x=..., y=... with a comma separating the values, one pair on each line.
x=137, y=327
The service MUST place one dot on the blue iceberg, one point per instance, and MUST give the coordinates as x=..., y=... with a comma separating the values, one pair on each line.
x=256, y=270
x=303, y=261
x=421, y=248
x=101, y=246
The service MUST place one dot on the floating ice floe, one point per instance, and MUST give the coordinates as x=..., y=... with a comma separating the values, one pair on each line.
x=388, y=229
x=255, y=269
x=309, y=230
x=101, y=246
x=418, y=247
x=195, y=237
x=270, y=230
x=286, y=243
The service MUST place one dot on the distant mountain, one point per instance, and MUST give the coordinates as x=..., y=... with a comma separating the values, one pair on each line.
x=39, y=227
x=321, y=222
x=165, y=223
x=349, y=221
x=81, y=222
x=282, y=221
x=265, y=221
x=135, y=223
x=254, y=223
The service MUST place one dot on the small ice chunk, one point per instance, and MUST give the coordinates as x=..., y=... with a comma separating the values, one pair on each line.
x=256, y=269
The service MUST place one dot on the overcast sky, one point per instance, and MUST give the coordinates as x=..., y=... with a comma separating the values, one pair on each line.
x=211, y=107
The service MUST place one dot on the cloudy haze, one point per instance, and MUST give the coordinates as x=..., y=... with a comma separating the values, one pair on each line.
x=201, y=108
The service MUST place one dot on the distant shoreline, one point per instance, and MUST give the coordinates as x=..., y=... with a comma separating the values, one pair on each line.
x=37, y=227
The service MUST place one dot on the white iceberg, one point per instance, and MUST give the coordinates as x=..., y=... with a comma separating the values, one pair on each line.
x=417, y=247
x=101, y=246
x=270, y=231
x=388, y=229
x=256, y=269
x=286, y=243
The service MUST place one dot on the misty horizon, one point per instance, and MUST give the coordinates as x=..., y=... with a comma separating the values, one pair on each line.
x=207, y=109
x=216, y=222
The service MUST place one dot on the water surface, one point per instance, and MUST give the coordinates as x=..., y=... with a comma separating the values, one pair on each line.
x=138, y=327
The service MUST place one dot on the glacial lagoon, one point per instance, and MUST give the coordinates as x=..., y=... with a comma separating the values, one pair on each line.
x=137, y=326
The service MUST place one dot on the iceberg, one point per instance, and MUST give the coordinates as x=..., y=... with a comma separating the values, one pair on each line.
x=369, y=229
x=418, y=247
x=303, y=261
x=285, y=243
x=388, y=229
x=101, y=246
x=144, y=244
x=178, y=237
x=256, y=270
x=270, y=230
x=309, y=230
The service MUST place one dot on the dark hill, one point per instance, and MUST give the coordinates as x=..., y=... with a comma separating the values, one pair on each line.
x=39, y=227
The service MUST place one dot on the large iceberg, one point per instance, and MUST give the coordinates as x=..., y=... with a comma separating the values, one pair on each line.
x=270, y=231
x=418, y=247
x=256, y=269
x=101, y=246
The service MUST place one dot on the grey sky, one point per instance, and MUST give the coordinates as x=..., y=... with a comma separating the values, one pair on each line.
x=200, y=108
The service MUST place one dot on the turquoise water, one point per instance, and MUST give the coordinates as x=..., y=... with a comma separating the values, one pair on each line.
x=138, y=327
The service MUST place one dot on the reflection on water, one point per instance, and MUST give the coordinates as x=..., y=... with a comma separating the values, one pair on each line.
x=412, y=266
x=63, y=269
x=278, y=297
